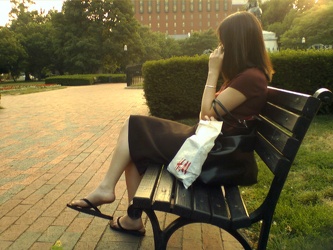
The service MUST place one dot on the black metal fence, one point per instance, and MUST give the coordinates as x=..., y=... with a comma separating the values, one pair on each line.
x=134, y=75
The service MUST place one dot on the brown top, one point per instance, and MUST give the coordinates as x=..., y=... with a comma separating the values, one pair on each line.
x=253, y=84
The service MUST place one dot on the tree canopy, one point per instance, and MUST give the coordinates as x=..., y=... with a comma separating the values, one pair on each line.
x=292, y=20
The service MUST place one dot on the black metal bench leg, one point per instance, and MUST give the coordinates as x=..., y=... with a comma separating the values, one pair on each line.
x=160, y=241
x=240, y=238
x=161, y=237
x=264, y=234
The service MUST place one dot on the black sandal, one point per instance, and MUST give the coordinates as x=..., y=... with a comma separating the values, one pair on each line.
x=91, y=209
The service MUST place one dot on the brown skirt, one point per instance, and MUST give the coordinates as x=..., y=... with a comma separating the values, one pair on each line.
x=154, y=140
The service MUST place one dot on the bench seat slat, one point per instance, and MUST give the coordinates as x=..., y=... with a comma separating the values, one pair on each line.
x=239, y=215
x=201, y=204
x=220, y=212
x=163, y=192
x=183, y=200
x=144, y=194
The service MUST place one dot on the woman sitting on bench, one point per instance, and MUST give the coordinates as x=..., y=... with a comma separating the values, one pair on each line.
x=243, y=62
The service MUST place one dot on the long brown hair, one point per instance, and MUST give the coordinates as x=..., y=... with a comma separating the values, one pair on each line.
x=244, y=47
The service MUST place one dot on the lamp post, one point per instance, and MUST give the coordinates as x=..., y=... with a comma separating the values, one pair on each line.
x=127, y=73
x=303, y=42
x=125, y=56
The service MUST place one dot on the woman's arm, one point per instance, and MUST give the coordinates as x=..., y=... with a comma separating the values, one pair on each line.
x=230, y=98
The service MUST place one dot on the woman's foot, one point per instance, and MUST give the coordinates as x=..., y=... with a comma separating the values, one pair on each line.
x=127, y=225
x=89, y=204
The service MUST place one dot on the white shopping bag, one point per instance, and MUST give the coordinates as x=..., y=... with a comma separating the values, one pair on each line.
x=187, y=163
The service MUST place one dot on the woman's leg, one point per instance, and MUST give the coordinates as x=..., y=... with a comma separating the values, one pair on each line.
x=133, y=179
x=105, y=192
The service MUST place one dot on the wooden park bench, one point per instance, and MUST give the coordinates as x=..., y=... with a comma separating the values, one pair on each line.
x=283, y=124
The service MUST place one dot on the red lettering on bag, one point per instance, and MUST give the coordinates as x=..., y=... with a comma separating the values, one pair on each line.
x=183, y=165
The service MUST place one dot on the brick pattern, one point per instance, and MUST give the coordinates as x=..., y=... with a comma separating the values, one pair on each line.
x=56, y=146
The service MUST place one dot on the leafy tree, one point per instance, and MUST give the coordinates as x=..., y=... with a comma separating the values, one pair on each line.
x=157, y=46
x=198, y=43
x=11, y=53
x=33, y=32
x=90, y=35
x=293, y=19
x=315, y=24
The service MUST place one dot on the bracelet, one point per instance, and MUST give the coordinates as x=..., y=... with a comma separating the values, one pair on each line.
x=210, y=86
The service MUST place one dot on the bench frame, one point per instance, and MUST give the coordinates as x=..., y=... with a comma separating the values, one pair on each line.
x=283, y=124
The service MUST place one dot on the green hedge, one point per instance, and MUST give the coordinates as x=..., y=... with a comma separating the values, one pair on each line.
x=173, y=87
x=303, y=71
x=78, y=80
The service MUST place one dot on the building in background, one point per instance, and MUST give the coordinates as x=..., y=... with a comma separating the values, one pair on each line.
x=180, y=18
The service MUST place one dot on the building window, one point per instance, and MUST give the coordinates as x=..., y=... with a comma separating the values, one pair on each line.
x=158, y=6
x=167, y=17
x=183, y=17
x=200, y=5
x=174, y=6
x=141, y=6
x=149, y=6
x=166, y=25
x=175, y=24
x=175, y=17
x=158, y=25
x=166, y=5
x=217, y=5
x=192, y=5
x=225, y=5
x=183, y=5
x=208, y=5
x=149, y=18
x=183, y=24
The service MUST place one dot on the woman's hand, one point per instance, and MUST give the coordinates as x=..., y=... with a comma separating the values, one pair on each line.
x=215, y=61
x=212, y=118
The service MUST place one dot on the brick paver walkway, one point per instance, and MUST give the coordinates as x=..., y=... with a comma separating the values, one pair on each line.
x=56, y=146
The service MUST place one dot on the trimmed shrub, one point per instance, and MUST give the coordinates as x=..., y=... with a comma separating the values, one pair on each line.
x=173, y=87
x=78, y=80
x=303, y=71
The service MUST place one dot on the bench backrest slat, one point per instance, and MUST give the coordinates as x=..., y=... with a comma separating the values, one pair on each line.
x=278, y=138
x=296, y=102
x=285, y=119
